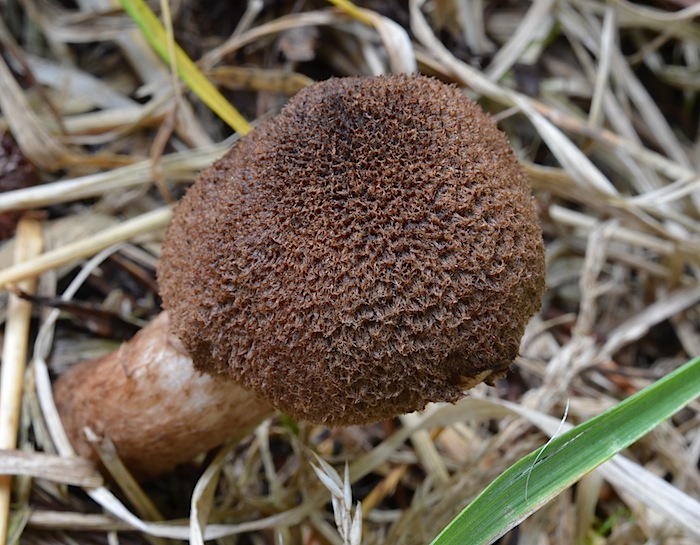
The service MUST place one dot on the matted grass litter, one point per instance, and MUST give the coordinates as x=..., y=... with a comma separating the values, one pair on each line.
x=600, y=100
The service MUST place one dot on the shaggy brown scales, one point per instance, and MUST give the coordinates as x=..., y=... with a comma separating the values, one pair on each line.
x=371, y=249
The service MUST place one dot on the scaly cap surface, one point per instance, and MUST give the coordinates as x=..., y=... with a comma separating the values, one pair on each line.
x=372, y=248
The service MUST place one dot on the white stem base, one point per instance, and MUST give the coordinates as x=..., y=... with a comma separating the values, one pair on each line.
x=151, y=402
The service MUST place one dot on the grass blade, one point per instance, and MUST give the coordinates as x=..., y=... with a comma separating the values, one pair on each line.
x=567, y=458
x=156, y=35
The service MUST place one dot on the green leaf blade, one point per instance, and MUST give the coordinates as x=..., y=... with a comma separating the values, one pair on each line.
x=546, y=472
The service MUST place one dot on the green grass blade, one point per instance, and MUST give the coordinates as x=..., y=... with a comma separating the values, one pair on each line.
x=548, y=471
x=158, y=38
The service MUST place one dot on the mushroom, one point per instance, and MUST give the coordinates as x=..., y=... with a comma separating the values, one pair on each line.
x=372, y=248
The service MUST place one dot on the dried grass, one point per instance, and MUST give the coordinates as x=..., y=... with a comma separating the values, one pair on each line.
x=600, y=101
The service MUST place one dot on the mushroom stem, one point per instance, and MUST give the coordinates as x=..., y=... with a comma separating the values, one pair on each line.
x=151, y=402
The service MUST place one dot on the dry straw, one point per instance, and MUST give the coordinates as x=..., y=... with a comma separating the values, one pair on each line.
x=600, y=101
x=14, y=357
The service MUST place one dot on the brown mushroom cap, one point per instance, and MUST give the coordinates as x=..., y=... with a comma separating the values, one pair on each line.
x=372, y=248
